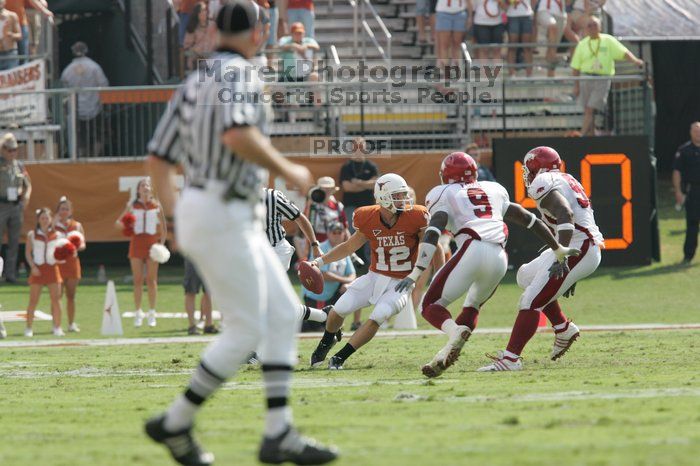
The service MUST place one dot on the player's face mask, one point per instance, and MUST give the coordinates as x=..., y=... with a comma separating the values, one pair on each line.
x=401, y=200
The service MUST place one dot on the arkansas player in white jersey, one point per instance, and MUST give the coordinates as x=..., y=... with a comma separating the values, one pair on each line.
x=474, y=212
x=565, y=208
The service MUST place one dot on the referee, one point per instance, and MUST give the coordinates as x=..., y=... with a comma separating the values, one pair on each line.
x=215, y=127
x=277, y=207
x=686, y=186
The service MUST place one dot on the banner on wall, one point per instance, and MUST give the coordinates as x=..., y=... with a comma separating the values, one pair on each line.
x=100, y=191
x=23, y=109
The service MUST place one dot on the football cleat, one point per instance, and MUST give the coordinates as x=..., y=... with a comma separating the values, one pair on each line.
x=335, y=363
x=28, y=332
x=74, y=328
x=138, y=318
x=182, y=446
x=58, y=332
x=459, y=337
x=193, y=330
x=501, y=362
x=210, y=330
x=563, y=339
x=437, y=366
x=320, y=353
x=339, y=333
x=292, y=447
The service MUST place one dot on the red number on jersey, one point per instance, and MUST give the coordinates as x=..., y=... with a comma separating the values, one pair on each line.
x=581, y=197
x=478, y=197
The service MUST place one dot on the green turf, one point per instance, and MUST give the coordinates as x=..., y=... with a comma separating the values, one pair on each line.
x=618, y=398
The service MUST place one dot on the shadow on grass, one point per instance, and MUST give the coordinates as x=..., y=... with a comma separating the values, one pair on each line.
x=624, y=274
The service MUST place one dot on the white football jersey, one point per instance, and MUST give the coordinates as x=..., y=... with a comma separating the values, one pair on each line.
x=573, y=192
x=478, y=206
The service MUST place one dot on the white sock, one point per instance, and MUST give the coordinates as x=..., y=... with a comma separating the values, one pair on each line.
x=152, y=312
x=448, y=326
x=317, y=315
x=511, y=355
x=277, y=420
x=560, y=326
x=180, y=415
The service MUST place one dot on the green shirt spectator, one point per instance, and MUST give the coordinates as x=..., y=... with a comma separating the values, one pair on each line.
x=297, y=53
x=598, y=56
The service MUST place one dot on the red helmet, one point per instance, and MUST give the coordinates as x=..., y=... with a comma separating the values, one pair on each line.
x=458, y=167
x=540, y=159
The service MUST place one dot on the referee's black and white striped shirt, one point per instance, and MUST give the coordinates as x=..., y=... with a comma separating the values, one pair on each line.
x=225, y=94
x=278, y=206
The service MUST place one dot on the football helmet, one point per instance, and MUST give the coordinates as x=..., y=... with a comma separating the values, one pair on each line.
x=538, y=160
x=458, y=167
x=392, y=193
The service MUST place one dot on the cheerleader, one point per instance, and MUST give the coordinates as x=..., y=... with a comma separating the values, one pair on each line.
x=70, y=269
x=44, y=270
x=144, y=222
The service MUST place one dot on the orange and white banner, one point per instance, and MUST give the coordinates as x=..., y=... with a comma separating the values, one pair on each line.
x=99, y=191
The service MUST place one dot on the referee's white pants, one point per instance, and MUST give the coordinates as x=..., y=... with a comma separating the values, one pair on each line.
x=226, y=243
x=284, y=252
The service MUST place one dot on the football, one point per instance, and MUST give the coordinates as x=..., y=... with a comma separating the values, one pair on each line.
x=311, y=277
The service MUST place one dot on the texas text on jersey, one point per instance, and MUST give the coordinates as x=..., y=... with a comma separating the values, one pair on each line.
x=474, y=210
x=571, y=189
x=393, y=248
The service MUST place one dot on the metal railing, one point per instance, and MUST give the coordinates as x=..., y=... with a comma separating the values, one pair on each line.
x=421, y=115
x=367, y=31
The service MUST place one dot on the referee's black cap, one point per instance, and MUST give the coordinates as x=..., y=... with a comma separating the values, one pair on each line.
x=237, y=16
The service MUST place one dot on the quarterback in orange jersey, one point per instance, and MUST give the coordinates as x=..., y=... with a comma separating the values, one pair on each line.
x=393, y=227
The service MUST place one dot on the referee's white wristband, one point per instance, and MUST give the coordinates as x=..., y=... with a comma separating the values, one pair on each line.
x=565, y=226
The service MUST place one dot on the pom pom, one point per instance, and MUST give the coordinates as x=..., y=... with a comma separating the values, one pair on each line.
x=159, y=253
x=76, y=238
x=128, y=220
x=63, y=250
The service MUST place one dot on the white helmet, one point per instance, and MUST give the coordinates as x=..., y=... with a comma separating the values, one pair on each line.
x=386, y=189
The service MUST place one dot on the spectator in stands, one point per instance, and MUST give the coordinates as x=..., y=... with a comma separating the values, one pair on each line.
x=488, y=27
x=302, y=11
x=15, y=191
x=263, y=8
x=595, y=56
x=85, y=72
x=11, y=36
x=336, y=277
x=425, y=15
x=282, y=17
x=273, y=11
x=184, y=11
x=193, y=283
x=199, y=40
x=581, y=11
x=34, y=14
x=19, y=7
x=44, y=270
x=686, y=187
x=520, y=27
x=296, y=56
x=451, y=24
x=551, y=22
x=484, y=174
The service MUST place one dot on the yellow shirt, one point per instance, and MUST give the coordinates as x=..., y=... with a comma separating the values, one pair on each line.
x=598, y=56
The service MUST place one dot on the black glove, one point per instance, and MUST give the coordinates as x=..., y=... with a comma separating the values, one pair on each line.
x=404, y=284
x=571, y=291
x=558, y=270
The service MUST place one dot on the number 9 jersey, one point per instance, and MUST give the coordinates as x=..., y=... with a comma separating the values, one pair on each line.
x=474, y=210
x=394, y=249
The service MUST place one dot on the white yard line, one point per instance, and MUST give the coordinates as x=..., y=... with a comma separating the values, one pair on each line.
x=313, y=336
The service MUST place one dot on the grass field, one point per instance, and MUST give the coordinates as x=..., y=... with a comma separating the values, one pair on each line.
x=618, y=398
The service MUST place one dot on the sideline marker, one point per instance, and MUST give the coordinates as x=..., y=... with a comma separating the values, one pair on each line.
x=111, y=317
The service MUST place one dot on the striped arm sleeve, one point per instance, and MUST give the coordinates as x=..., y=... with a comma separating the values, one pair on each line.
x=240, y=96
x=286, y=207
x=165, y=142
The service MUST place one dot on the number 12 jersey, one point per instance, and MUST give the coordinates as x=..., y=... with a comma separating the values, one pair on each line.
x=474, y=210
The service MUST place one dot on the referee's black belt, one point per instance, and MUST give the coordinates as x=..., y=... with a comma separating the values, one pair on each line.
x=228, y=195
x=6, y=201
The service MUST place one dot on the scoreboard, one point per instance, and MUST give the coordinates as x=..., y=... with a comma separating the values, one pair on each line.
x=615, y=172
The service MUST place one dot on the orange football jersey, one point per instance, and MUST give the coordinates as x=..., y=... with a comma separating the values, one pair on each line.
x=394, y=249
